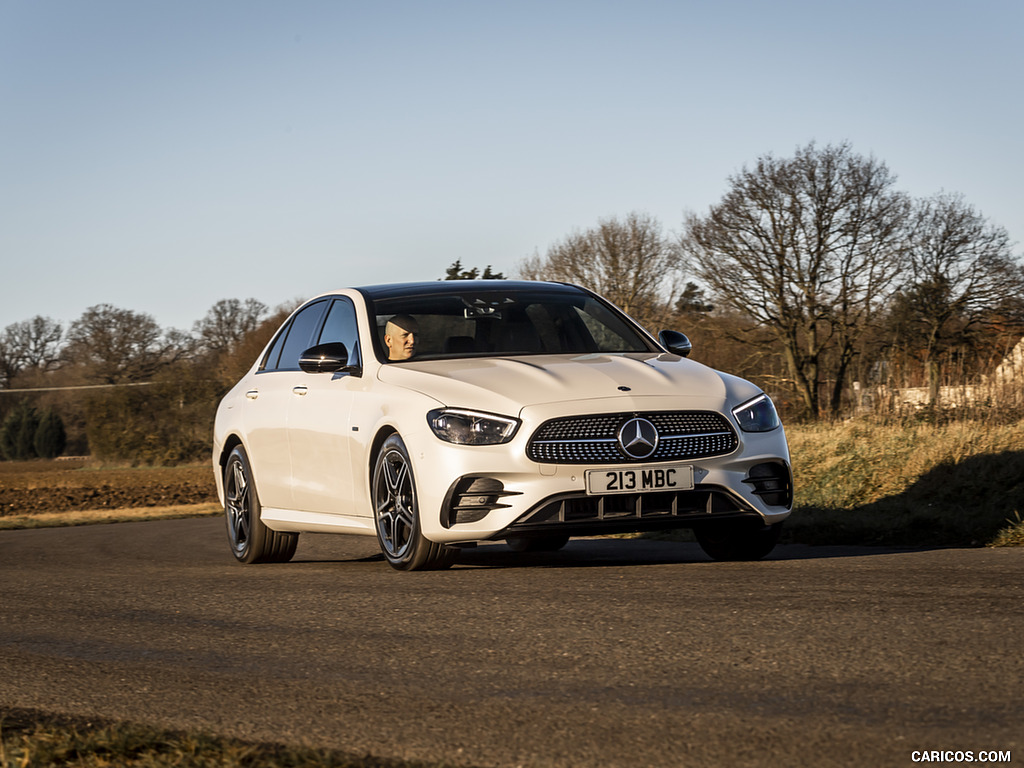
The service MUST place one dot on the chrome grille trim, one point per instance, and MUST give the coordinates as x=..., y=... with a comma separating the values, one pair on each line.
x=591, y=439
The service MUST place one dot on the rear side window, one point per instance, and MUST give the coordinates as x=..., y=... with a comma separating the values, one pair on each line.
x=270, y=362
x=295, y=339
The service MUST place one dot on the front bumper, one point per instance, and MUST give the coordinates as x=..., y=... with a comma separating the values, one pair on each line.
x=477, y=493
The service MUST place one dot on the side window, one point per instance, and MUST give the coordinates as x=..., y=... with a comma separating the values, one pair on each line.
x=299, y=337
x=270, y=361
x=341, y=326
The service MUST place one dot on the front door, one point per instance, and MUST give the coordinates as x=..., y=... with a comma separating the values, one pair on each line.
x=320, y=432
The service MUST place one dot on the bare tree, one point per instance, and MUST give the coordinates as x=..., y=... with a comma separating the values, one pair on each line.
x=31, y=343
x=228, y=322
x=630, y=262
x=115, y=346
x=810, y=247
x=964, y=279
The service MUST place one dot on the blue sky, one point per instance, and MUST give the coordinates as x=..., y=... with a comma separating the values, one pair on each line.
x=160, y=156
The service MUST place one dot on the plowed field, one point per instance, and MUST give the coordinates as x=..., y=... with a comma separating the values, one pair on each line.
x=34, y=487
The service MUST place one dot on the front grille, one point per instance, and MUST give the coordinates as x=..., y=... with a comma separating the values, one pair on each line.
x=682, y=435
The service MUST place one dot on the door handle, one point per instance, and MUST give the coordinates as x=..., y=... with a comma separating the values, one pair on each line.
x=252, y=394
x=299, y=391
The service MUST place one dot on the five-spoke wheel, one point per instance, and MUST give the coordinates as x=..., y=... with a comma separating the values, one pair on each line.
x=251, y=541
x=396, y=513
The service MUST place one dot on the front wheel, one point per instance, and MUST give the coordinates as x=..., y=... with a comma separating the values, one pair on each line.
x=738, y=540
x=251, y=541
x=396, y=513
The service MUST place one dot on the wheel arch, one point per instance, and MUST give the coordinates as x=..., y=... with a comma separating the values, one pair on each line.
x=385, y=431
x=231, y=442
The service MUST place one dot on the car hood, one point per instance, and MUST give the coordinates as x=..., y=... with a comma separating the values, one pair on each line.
x=508, y=384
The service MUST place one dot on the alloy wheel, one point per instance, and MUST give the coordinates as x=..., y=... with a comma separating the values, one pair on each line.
x=395, y=504
x=237, y=506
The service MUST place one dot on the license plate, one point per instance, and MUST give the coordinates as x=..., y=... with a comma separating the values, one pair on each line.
x=672, y=477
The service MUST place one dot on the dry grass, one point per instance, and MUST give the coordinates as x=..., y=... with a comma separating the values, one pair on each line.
x=92, y=516
x=959, y=483
x=1012, y=535
x=30, y=739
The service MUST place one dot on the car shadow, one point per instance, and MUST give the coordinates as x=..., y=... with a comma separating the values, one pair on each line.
x=961, y=504
x=605, y=552
x=591, y=552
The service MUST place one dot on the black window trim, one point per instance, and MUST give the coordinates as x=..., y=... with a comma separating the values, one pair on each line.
x=287, y=329
x=355, y=354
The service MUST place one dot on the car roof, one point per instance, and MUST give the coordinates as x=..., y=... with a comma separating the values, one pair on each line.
x=443, y=287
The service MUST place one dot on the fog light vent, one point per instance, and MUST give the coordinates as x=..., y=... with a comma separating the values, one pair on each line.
x=773, y=482
x=472, y=498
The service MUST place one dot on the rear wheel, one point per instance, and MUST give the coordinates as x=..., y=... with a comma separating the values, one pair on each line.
x=396, y=514
x=739, y=540
x=251, y=541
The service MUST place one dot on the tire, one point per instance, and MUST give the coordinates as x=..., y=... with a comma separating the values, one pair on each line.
x=396, y=513
x=550, y=543
x=738, y=540
x=251, y=541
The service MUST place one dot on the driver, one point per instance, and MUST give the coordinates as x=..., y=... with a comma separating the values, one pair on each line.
x=400, y=336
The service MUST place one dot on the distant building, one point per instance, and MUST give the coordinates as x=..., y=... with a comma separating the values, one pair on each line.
x=1004, y=386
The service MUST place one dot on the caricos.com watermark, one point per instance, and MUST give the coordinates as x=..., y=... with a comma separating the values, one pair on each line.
x=961, y=756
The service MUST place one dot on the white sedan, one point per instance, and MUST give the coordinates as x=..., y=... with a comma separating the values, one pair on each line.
x=438, y=415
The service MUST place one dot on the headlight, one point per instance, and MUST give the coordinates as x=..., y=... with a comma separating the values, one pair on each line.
x=470, y=427
x=757, y=415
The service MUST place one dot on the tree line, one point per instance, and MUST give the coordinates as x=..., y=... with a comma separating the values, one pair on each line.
x=812, y=272
x=121, y=387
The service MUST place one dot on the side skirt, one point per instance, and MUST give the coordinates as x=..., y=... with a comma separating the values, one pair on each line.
x=315, y=522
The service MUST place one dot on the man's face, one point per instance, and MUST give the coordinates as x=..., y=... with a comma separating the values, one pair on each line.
x=400, y=340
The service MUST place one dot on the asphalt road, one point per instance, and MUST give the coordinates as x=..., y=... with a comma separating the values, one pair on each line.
x=610, y=653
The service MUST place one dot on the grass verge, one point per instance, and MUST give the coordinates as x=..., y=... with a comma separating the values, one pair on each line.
x=30, y=739
x=91, y=516
x=1010, y=536
x=918, y=484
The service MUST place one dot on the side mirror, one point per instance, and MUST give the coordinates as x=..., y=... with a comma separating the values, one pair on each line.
x=676, y=343
x=327, y=358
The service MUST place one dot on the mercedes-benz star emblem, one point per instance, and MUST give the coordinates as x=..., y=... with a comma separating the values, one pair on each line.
x=638, y=438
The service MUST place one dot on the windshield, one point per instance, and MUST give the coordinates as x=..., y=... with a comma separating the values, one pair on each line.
x=504, y=323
